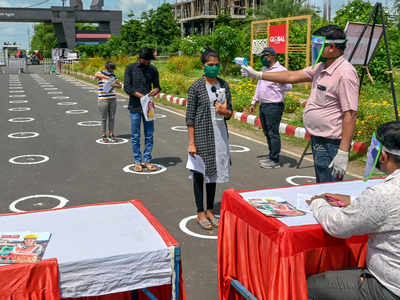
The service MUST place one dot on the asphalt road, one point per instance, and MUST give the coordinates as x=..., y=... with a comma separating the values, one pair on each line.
x=62, y=161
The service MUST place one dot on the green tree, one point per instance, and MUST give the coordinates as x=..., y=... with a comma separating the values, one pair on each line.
x=132, y=35
x=160, y=29
x=44, y=39
x=272, y=9
x=225, y=40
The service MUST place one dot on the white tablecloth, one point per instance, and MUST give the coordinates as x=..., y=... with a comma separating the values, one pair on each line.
x=100, y=249
x=297, y=196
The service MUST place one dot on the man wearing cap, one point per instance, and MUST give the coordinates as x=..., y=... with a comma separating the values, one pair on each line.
x=141, y=78
x=331, y=111
x=271, y=96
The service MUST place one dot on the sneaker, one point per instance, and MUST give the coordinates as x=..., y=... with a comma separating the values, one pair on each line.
x=264, y=161
x=270, y=165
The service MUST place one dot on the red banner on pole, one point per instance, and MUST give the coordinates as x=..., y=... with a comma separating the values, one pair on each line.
x=277, y=38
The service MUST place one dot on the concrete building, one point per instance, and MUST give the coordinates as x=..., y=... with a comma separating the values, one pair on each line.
x=198, y=16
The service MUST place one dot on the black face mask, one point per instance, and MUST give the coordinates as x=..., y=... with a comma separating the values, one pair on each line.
x=143, y=66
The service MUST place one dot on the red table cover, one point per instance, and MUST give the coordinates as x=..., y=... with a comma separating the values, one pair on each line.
x=271, y=259
x=37, y=281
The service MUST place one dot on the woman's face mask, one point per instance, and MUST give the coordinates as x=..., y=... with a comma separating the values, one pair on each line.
x=211, y=71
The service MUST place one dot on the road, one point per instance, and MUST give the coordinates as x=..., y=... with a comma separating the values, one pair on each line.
x=50, y=160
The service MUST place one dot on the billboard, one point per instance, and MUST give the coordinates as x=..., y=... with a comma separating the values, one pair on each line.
x=353, y=31
x=277, y=38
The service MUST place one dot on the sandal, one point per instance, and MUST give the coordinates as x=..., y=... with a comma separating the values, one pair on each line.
x=150, y=167
x=214, y=222
x=205, y=224
x=113, y=138
x=105, y=139
x=138, y=167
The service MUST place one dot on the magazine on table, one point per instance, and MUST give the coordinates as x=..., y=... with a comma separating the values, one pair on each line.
x=147, y=107
x=275, y=207
x=22, y=247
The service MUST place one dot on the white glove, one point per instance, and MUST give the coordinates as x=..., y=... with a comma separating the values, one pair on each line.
x=250, y=72
x=339, y=163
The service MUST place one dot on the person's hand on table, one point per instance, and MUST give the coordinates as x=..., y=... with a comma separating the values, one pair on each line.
x=342, y=200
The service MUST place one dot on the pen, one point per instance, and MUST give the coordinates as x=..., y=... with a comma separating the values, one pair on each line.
x=338, y=202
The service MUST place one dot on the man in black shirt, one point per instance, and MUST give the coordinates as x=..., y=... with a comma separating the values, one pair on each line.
x=141, y=78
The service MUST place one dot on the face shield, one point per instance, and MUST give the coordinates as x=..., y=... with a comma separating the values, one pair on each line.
x=374, y=152
x=318, y=44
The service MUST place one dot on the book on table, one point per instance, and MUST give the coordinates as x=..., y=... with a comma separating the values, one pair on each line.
x=22, y=247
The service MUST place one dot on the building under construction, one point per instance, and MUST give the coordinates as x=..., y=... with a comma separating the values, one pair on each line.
x=198, y=16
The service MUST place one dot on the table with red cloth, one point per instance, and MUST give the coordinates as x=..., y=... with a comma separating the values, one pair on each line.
x=102, y=251
x=272, y=259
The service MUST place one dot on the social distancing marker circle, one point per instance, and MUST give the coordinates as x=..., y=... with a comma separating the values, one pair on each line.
x=129, y=169
x=159, y=116
x=19, y=109
x=185, y=229
x=23, y=135
x=18, y=91
x=125, y=106
x=18, y=101
x=179, y=128
x=67, y=103
x=76, y=111
x=54, y=93
x=237, y=148
x=28, y=159
x=309, y=179
x=50, y=89
x=60, y=97
x=21, y=120
x=121, y=100
x=17, y=96
x=89, y=123
x=62, y=202
x=117, y=142
x=15, y=87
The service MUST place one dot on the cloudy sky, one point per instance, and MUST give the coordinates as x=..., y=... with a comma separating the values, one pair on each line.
x=19, y=32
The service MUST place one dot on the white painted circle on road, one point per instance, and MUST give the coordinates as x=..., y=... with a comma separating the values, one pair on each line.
x=76, y=111
x=159, y=116
x=30, y=159
x=54, y=93
x=183, y=227
x=179, y=128
x=17, y=96
x=60, y=97
x=23, y=135
x=50, y=89
x=18, y=101
x=89, y=123
x=63, y=201
x=67, y=103
x=125, y=106
x=128, y=169
x=15, y=87
x=18, y=91
x=21, y=120
x=119, y=141
x=237, y=148
x=291, y=179
x=19, y=109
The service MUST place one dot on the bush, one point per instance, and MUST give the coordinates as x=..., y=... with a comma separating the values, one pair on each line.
x=175, y=84
x=292, y=103
x=182, y=64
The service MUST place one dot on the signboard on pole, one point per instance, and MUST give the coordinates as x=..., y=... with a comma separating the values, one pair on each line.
x=353, y=32
x=277, y=38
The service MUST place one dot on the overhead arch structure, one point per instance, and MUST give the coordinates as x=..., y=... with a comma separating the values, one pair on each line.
x=64, y=19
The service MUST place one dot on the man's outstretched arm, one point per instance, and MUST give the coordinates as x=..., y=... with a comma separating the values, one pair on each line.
x=280, y=77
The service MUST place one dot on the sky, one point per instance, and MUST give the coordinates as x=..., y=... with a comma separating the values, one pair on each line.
x=19, y=32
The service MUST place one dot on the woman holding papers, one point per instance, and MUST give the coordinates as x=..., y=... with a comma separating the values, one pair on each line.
x=209, y=105
x=107, y=100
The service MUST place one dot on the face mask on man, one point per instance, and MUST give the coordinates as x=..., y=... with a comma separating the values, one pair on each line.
x=211, y=71
x=265, y=62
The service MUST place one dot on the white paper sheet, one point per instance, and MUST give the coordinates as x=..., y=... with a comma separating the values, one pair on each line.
x=147, y=107
x=108, y=86
x=196, y=163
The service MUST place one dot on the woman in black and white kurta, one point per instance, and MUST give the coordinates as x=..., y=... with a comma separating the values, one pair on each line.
x=208, y=134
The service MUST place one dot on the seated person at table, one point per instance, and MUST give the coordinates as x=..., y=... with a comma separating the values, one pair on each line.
x=375, y=212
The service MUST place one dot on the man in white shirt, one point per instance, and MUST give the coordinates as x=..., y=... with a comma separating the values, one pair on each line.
x=375, y=212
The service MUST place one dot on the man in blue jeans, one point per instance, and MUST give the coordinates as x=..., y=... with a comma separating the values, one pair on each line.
x=271, y=95
x=141, y=78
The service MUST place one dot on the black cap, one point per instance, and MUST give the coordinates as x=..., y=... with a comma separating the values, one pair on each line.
x=147, y=53
x=268, y=51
